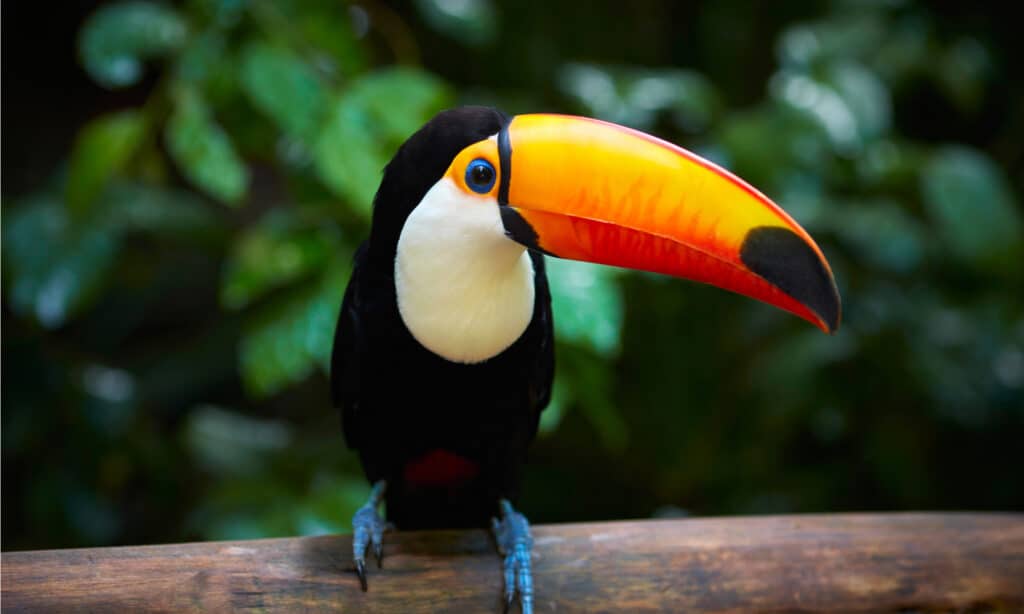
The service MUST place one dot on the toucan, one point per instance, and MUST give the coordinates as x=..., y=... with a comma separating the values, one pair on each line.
x=443, y=355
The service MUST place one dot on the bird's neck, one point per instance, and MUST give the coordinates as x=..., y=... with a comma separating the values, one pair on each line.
x=464, y=290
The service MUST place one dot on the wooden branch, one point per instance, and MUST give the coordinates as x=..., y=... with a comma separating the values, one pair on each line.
x=843, y=562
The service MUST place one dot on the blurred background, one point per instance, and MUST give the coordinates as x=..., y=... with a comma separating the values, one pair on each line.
x=184, y=185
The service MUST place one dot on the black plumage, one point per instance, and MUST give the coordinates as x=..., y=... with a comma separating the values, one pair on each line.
x=399, y=401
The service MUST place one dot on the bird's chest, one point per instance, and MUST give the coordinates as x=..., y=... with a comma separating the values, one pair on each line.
x=427, y=398
x=424, y=402
x=433, y=421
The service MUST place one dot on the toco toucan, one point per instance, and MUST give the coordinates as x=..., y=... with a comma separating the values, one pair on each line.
x=444, y=351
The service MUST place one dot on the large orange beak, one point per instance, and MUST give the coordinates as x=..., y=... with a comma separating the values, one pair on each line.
x=589, y=190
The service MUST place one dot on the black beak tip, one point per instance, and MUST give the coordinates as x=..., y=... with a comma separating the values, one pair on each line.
x=785, y=260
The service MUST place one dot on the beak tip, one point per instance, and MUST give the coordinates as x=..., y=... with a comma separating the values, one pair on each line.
x=830, y=328
x=830, y=321
x=833, y=318
x=790, y=263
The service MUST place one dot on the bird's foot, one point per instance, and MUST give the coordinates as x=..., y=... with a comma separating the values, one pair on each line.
x=368, y=528
x=515, y=543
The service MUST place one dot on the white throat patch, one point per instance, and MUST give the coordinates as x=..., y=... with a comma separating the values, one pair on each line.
x=465, y=290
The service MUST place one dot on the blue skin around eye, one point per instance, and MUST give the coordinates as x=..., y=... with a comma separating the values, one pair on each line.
x=480, y=188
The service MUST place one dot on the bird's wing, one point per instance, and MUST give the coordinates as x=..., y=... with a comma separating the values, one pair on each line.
x=345, y=358
x=543, y=373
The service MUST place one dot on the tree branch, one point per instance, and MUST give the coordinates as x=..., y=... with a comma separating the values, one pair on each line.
x=817, y=563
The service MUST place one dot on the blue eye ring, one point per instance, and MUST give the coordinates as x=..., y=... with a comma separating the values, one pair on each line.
x=480, y=176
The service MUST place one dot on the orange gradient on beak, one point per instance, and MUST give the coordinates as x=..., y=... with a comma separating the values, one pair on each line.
x=598, y=192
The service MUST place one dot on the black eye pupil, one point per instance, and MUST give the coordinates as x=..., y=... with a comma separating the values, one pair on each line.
x=482, y=174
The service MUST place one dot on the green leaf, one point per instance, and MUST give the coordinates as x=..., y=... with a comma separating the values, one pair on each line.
x=587, y=378
x=276, y=251
x=117, y=38
x=55, y=265
x=785, y=369
x=689, y=95
x=865, y=95
x=331, y=502
x=594, y=89
x=852, y=36
x=103, y=148
x=561, y=398
x=970, y=201
x=139, y=207
x=330, y=28
x=288, y=340
x=890, y=164
x=637, y=97
x=281, y=85
x=882, y=233
x=228, y=443
x=584, y=380
x=221, y=13
x=203, y=150
x=366, y=123
x=472, y=22
x=246, y=507
x=905, y=50
x=349, y=157
x=765, y=144
x=93, y=515
x=399, y=100
x=964, y=71
x=110, y=403
x=850, y=102
x=207, y=64
x=587, y=305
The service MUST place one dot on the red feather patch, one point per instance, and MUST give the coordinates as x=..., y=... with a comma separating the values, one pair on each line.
x=440, y=468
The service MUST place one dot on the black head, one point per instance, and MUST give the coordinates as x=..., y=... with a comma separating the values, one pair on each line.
x=420, y=163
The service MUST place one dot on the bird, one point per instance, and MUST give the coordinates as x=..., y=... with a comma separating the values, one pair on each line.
x=443, y=355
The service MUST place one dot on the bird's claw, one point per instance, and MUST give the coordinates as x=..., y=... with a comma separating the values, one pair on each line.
x=378, y=550
x=512, y=533
x=368, y=528
x=361, y=572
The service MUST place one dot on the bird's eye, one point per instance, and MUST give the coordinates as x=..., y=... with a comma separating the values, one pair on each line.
x=480, y=176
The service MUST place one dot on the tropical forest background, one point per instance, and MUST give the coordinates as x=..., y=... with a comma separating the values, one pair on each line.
x=184, y=185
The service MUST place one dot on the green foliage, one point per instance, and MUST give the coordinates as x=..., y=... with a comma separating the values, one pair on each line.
x=119, y=37
x=848, y=101
x=367, y=122
x=226, y=443
x=102, y=150
x=159, y=212
x=204, y=152
x=886, y=237
x=165, y=356
x=970, y=202
x=472, y=22
x=285, y=88
x=287, y=340
x=347, y=154
x=397, y=101
x=275, y=252
x=637, y=97
x=52, y=283
x=589, y=313
x=588, y=303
